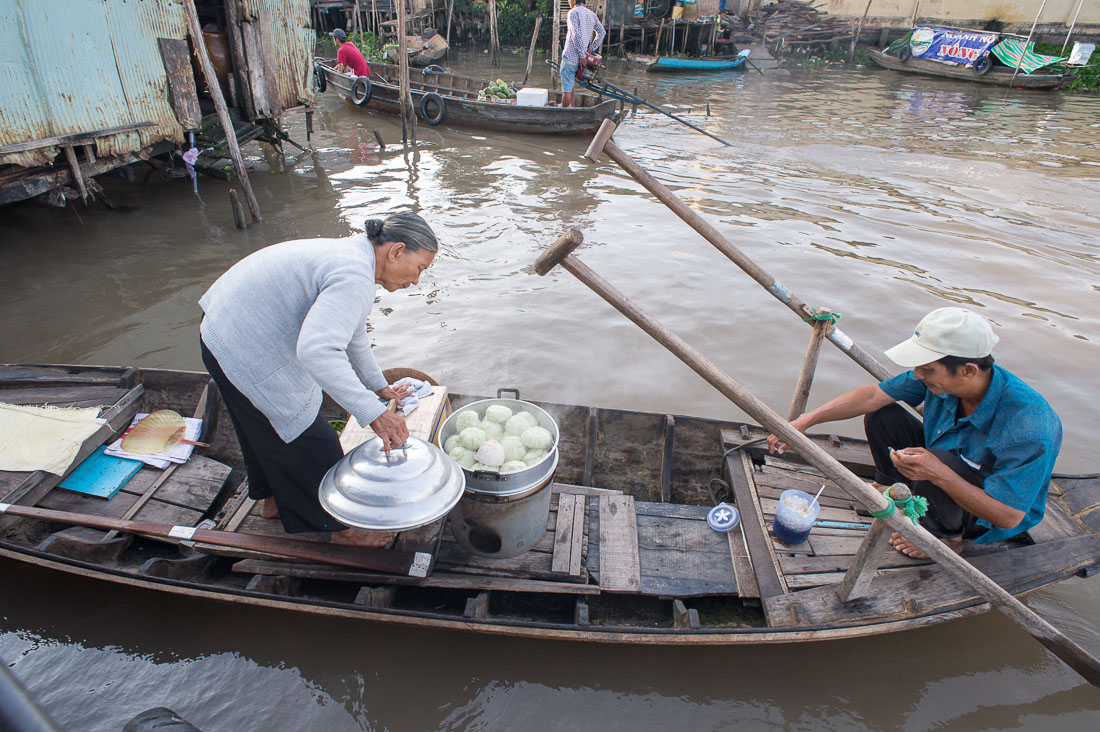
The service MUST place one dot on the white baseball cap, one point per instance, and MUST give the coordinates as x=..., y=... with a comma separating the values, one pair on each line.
x=945, y=332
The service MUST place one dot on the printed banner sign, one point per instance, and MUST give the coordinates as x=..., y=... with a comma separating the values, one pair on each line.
x=951, y=46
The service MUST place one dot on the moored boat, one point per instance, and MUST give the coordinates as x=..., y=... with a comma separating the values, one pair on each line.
x=627, y=555
x=445, y=98
x=677, y=63
x=997, y=76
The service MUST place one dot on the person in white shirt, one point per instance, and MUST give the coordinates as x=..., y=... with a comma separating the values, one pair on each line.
x=582, y=24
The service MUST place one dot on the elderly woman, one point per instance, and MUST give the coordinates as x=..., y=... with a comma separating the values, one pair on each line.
x=289, y=322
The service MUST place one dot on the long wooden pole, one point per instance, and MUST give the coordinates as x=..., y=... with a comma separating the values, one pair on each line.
x=1054, y=640
x=758, y=273
x=859, y=30
x=391, y=561
x=219, y=105
x=1029, y=35
x=1071, y=27
x=450, y=12
x=555, y=41
x=408, y=117
x=809, y=367
x=531, y=50
x=494, y=41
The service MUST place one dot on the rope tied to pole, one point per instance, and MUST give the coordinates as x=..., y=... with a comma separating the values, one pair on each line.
x=913, y=507
x=816, y=316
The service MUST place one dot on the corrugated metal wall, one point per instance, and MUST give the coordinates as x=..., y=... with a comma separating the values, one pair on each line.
x=294, y=42
x=71, y=66
x=81, y=66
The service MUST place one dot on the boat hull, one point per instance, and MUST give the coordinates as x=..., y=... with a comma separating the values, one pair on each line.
x=997, y=76
x=464, y=109
x=671, y=64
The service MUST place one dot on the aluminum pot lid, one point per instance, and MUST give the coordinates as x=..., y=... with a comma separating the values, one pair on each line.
x=415, y=485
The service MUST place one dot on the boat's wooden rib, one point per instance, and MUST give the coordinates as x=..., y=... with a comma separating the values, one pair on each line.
x=619, y=562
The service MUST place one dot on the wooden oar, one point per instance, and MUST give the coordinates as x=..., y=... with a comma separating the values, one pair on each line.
x=1076, y=657
x=391, y=561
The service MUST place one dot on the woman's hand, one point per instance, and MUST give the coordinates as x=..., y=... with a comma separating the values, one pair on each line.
x=391, y=428
x=397, y=391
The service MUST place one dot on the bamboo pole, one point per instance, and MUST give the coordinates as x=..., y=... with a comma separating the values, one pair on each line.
x=531, y=50
x=408, y=117
x=450, y=12
x=1029, y=35
x=859, y=30
x=219, y=105
x=560, y=253
x=809, y=367
x=758, y=273
x=555, y=42
x=494, y=41
x=1071, y=27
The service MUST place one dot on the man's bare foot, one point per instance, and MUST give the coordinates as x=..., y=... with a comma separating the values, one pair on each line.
x=268, y=509
x=909, y=549
x=372, y=539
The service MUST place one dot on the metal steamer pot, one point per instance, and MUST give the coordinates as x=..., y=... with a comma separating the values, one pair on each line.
x=504, y=515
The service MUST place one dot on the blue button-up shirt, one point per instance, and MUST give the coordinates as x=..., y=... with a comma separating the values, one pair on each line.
x=1012, y=439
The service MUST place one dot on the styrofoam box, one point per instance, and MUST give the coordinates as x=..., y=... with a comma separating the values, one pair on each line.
x=530, y=96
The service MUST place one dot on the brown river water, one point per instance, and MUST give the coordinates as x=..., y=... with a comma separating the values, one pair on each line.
x=879, y=195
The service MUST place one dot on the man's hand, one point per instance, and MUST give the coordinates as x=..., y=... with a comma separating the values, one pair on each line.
x=397, y=391
x=392, y=429
x=917, y=463
x=775, y=445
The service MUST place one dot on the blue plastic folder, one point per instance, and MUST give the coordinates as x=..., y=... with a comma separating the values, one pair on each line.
x=101, y=475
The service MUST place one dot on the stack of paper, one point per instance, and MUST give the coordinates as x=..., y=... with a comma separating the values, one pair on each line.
x=180, y=453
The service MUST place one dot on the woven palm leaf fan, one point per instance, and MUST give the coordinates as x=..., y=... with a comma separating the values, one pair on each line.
x=156, y=433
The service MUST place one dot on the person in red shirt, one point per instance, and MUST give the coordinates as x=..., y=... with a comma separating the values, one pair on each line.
x=348, y=57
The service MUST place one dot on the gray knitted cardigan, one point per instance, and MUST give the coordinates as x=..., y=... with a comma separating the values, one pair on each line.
x=289, y=321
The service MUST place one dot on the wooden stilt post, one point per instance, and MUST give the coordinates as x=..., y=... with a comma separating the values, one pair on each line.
x=555, y=43
x=809, y=366
x=78, y=174
x=450, y=12
x=219, y=105
x=1080, y=660
x=408, y=116
x=531, y=51
x=494, y=41
x=238, y=210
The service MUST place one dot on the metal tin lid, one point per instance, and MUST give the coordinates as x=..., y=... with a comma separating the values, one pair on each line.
x=414, y=486
x=723, y=517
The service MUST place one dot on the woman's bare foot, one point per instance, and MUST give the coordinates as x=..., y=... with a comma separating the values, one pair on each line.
x=372, y=539
x=268, y=509
x=909, y=549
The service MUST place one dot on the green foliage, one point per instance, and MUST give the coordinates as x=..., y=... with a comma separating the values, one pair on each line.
x=1085, y=78
x=371, y=47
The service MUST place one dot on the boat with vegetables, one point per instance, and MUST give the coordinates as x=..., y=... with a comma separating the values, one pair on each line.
x=443, y=98
x=602, y=537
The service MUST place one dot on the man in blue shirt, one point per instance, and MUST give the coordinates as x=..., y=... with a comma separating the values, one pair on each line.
x=985, y=452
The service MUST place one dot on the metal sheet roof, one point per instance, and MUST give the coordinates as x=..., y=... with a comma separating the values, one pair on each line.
x=294, y=42
x=85, y=65
x=72, y=67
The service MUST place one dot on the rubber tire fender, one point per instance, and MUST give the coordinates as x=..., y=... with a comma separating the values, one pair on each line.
x=441, y=106
x=433, y=69
x=982, y=66
x=905, y=54
x=320, y=82
x=361, y=90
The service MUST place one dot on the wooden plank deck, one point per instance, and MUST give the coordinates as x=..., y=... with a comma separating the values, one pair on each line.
x=619, y=563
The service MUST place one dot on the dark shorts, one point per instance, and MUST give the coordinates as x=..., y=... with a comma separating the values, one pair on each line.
x=894, y=427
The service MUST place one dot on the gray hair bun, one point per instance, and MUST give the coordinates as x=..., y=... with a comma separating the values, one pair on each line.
x=404, y=227
x=374, y=228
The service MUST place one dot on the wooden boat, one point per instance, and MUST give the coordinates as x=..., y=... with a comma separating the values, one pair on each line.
x=675, y=63
x=997, y=75
x=461, y=106
x=627, y=556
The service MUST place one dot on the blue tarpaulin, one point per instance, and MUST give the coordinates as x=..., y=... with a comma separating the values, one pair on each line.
x=951, y=46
